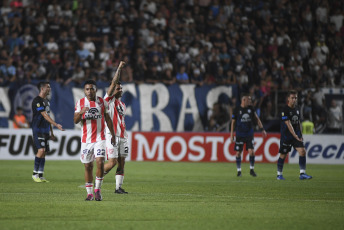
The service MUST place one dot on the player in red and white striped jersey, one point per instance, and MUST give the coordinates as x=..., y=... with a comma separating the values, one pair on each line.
x=119, y=151
x=92, y=112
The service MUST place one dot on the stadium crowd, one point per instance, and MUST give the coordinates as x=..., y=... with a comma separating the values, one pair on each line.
x=260, y=46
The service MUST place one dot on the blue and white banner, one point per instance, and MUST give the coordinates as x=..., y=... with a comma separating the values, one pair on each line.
x=321, y=149
x=150, y=107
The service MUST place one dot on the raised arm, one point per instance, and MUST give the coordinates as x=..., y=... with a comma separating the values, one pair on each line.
x=115, y=79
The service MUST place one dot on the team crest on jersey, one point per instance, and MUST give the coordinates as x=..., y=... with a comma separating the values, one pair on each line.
x=93, y=114
x=249, y=111
x=282, y=114
x=297, y=111
x=38, y=105
x=120, y=110
x=240, y=112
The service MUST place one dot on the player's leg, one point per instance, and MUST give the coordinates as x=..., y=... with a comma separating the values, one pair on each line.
x=87, y=158
x=238, y=147
x=302, y=163
x=89, y=180
x=123, y=153
x=283, y=151
x=99, y=150
x=111, y=155
x=250, y=149
x=40, y=145
x=120, y=176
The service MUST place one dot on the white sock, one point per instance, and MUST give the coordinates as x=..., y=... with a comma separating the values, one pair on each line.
x=89, y=188
x=302, y=171
x=279, y=173
x=119, y=181
x=99, y=182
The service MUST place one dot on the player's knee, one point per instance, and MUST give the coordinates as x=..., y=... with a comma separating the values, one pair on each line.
x=302, y=152
x=88, y=167
x=238, y=154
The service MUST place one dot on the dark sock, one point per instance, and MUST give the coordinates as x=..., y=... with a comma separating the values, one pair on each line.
x=36, y=166
x=238, y=162
x=41, y=166
x=302, y=162
x=280, y=164
x=252, y=161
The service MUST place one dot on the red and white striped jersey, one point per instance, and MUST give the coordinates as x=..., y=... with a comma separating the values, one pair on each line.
x=117, y=112
x=93, y=121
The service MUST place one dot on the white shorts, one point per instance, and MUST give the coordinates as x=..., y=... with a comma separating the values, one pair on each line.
x=121, y=148
x=90, y=151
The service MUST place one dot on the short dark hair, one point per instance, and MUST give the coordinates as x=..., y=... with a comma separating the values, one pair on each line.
x=245, y=95
x=90, y=82
x=41, y=84
x=291, y=92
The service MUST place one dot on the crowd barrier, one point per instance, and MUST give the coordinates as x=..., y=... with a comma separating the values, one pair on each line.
x=176, y=147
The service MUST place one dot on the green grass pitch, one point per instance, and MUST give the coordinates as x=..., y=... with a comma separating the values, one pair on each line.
x=169, y=195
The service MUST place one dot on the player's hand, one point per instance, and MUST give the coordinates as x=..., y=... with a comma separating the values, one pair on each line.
x=113, y=141
x=264, y=134
x=53, y=138
x=60, y=127
x=121, y=64
x=299, y=139
x=84, y=110
x=232, y=139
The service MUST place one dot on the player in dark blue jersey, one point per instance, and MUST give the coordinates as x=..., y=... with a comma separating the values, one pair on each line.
x=243, y=119
x=41, y=127
x=291, y=136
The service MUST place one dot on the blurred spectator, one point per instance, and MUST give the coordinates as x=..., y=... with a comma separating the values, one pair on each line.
x=19, y=119
x=218, y=118
x=307, y=125
x=182, y=76
x=335, y=118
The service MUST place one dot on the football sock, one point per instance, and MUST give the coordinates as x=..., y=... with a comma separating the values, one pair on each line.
x=302, y=164
x=119, y=181
x=280, y=164
x=238, y=163
x=36, y=166
x=252, y=162
x=89, y=188
x=99, y=182
x=41, y=166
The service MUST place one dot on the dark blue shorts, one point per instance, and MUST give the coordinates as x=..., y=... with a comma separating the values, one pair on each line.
x=41, y=140
x=285, y=145
x=240, y=141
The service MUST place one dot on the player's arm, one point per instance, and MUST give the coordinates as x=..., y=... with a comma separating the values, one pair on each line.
x=51, y=121
x=232, y=130
x=291, y=130
x=115, y=78
x=78, y=115
x=260, y=124
x=110, y=126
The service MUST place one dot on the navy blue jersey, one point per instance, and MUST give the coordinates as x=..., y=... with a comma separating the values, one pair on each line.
x=39, y=124
x=293, y=115
x=244, y=118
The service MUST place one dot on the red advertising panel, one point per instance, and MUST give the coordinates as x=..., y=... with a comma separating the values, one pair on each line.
x=198, y=147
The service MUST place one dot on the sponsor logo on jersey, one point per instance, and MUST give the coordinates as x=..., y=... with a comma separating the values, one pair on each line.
x=92, y=114
x=245, y=118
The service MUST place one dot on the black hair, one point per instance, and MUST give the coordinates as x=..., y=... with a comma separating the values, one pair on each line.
x=42, y=84
x=90, y=82
x=291, y=92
